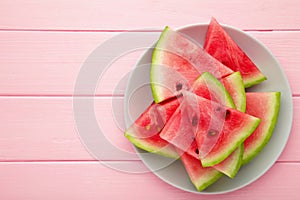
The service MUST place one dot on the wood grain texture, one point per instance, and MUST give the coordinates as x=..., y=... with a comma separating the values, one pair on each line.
x=91, y=180
x=43, y=47
x=48, y=63
x=134, y=14
x=35, y=128
x=45, y=129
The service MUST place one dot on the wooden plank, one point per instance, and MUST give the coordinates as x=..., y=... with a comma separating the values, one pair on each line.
x=42, y=128
x=52, y=63
x=95, y=181
x=39, y=55
x=134, y=14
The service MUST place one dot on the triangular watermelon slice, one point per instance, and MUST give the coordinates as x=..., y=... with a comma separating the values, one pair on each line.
x=236, y=127
x=221, y=46
x=144, y=132
x=177, y=61
x=200, y=176
x=234, y=85
x=209, y=87
x=265, y=105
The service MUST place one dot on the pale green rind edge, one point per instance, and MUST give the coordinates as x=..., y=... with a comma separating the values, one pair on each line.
x=234, y=168
x=208, y=162
x=237, y=80
x=201, y=185
x=250, y=156
x=168, y=151
x=154, y=67
x=209, y=77
x=254, y=80
x=232, y=173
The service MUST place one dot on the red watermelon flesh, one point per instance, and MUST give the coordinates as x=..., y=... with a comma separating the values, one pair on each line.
x=183, y=126
x=221, y=46
x=177, y=62
x=265, y=105
x=186, y=140
x=236, y=127
x=153, y=119
x=144, y=133
x=209, y=87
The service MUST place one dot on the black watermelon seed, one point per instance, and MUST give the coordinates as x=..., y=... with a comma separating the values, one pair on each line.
x=178, y=86
x=197, y=151
x=218, y=108
x=227, y=114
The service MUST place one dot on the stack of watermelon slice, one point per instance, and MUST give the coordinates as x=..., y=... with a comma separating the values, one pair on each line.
x=201, y=112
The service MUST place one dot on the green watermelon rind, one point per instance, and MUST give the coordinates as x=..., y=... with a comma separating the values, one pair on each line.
x=168, y=151
x=214, y=82
x=258, y=78
x=207, y=177
x=231, y=172
x=154, y=69
x=237, y=80
x=248, y=130
x=247, y=158
x=202, y=183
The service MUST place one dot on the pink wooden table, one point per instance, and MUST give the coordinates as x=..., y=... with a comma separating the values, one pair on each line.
x=43, y=46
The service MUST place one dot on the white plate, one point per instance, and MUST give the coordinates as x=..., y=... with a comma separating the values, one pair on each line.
x=138, y=96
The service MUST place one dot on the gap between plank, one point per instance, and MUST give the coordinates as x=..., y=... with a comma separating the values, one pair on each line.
x=66, y=161
x=58, y=96
x=121, y=30
x=95, y=161
x=71, y=96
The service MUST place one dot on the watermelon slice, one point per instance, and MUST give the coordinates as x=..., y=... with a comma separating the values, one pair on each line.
x=266, y=106
x=234, y=85
x=144, y=133
x=221, y=46
x=200, y=176
x=209, y=87
x=236, y=127
x=177, y=61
